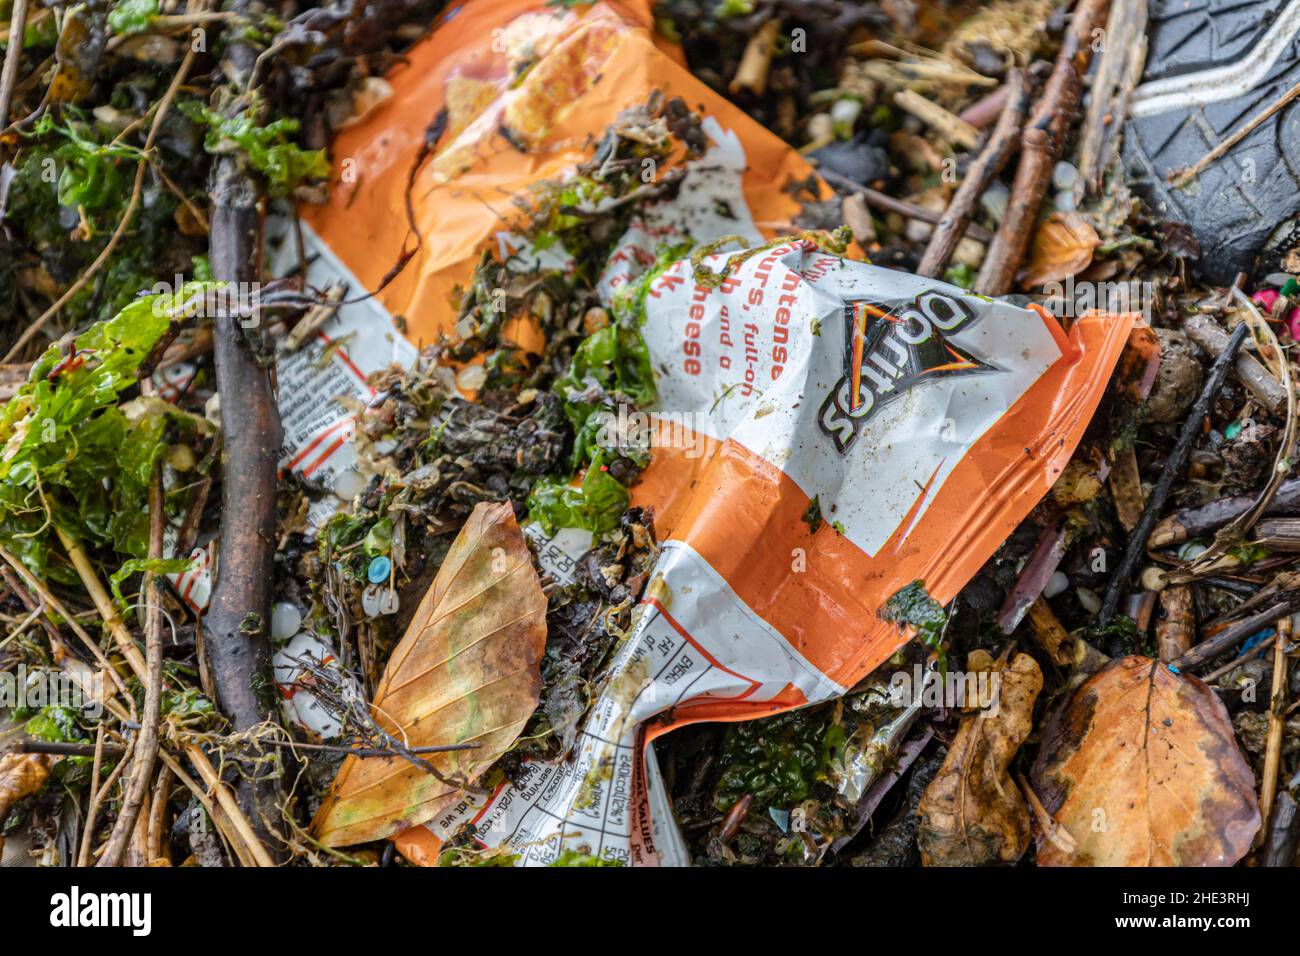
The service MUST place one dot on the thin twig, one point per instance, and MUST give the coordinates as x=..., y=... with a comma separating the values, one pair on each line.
x=59, y=748
x=1231, y=636
x=1248, y=656
x=1173, y=467
x=97, y=801
x=950, y=127
x=146, y=749
x=1286, y=448
x=1120, y=65
x=1191, y=172
x=909, y=210
x=952, y=225
x=154, y=846
x=226, y=800
x=13, y=56
x=372, y=751
x=214, y=812
x=92, y=809
x=104, y=604
x=1276, y=724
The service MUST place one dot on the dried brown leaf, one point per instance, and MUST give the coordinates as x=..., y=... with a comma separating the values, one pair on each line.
x=1063, y=247
x=466, y=670
x=21, y=775
x=1142, y=768
x=973, y=814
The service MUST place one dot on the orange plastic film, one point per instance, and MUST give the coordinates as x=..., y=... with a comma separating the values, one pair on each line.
x=920, y=423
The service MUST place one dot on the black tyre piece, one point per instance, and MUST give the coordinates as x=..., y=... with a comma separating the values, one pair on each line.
x=1212, y=66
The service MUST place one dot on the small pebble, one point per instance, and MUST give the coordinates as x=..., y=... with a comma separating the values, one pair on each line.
x=181, y=457
x=994, y=201
x=1064, y=175
x=1089, y=600
x=471, y=378
x=821, y=128
x=379, y=569
x=377, y=601
x=285, y=621
x=349, y=484
x=1153, y=579
x=844, y=115
x=1064, y=202
x=1057, y=583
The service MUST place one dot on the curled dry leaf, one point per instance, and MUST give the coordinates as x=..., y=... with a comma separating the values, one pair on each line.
x=1141, y=767
x=21, y=775
x=1063, y=247
x=466, y=670
x=973, y=814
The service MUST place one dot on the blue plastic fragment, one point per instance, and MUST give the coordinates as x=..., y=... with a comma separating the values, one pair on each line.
x=1256, y=639
x=379, y=569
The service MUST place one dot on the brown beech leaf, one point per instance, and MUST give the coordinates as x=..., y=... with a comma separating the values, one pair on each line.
x=466, y=670
x=1063, y=246
x=973, y=814
x=1142, y=769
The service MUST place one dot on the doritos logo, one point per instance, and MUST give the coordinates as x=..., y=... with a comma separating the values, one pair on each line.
x=888, y=349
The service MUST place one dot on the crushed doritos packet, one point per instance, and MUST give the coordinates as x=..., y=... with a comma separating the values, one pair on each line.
x=826, y=432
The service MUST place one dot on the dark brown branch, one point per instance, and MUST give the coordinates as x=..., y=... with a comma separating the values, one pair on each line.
x=1209, y=335
x=1193, y=522
x=952, y=224
x=1174, y=635
x=235, y=630
x=1040, y=147
x=1231, y=636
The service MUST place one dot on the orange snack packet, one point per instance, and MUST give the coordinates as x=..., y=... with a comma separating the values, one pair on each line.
x=921, y=423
